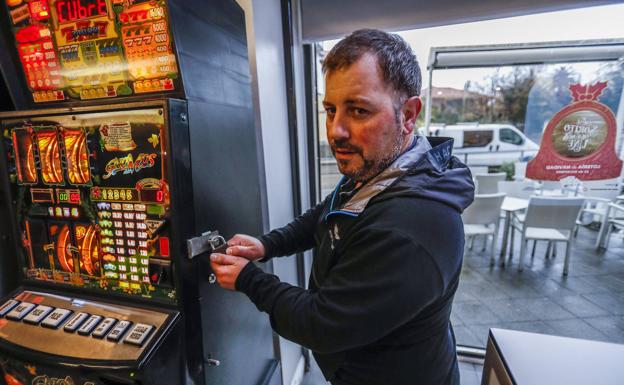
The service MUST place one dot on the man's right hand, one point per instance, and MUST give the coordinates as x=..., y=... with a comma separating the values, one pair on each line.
x=245, y=246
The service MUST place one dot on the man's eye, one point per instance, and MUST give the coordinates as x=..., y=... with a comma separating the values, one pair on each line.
x=360, y=112
x=330, y=110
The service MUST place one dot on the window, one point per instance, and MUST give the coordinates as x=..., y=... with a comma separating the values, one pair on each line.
x=507, y=135
x=480, y=138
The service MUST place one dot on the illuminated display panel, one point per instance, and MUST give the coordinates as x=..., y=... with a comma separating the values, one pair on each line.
x=23, y=150
x=93, y=49
x=50, y=156
x=77, y=157
x=95, y=210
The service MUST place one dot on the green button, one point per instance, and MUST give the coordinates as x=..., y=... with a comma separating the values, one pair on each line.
x=156, y=209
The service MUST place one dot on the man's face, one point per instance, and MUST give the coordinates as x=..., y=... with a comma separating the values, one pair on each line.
x=364, y=122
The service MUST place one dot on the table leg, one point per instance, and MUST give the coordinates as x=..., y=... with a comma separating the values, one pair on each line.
x=505, y=236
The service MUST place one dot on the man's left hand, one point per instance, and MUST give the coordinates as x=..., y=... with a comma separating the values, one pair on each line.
x=227, y=268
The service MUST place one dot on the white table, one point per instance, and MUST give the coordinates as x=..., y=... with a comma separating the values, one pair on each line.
x=510, y=206
x=521, y=358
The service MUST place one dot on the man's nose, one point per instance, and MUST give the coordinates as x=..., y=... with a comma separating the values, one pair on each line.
x=338, y=128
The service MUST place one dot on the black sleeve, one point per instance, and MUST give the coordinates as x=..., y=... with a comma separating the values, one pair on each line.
x=372, y=290
x=296, y=236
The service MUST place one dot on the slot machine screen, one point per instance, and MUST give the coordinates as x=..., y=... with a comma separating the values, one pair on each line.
x=92, y=200
x=94, y=49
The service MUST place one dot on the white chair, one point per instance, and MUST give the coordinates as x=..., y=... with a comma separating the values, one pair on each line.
x=482, y=218
x=517, y=189
x=488, y=183
x=598, y=195
x=520, y=170
x=613, y=218
x=553, y=219
x=550, y=187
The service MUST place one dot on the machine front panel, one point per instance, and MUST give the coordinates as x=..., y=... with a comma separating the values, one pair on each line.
x=92, y=200
x=80, y=329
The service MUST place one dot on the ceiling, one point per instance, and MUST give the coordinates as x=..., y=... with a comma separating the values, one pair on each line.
x=330, y=19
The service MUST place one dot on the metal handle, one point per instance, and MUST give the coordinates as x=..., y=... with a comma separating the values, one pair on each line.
x=213, y=362
x=207, y=242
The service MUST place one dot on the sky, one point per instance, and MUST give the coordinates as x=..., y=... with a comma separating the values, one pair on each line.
x=604, y=22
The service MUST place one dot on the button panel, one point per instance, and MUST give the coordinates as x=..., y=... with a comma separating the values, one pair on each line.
x=138, y=334
x=39, y=313
x=104, y=327
x=92, y=330
x=75, y=322
x=56, y=318
x=7, y=306
x=20, y=311
x=118, y=331
x=89, y=325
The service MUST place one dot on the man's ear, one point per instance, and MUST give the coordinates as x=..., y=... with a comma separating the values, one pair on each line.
x=411, y=110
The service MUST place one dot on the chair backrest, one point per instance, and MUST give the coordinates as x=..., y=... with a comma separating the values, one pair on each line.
x=601, y=189
x=488, y=183
x=553, y=212
x=520, y=170
x=517, y=189
x=485, y=209
x=550, y=187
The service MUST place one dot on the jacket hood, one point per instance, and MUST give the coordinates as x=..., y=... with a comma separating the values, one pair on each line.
x=427, y=170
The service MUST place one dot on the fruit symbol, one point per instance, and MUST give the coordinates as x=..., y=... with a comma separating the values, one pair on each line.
x=103, y=206
x=111, y=274
x=104, y=214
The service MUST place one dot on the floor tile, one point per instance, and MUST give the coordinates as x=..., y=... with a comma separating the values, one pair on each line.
x=475, y=312
x=579, y=306
x=612, y=302
x=576, y=328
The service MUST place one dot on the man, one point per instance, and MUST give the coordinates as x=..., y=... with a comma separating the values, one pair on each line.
x=389, y=239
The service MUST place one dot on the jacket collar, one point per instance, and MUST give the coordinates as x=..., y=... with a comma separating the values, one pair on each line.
x=383, y=180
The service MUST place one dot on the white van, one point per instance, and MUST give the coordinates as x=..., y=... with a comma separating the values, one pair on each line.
x=486, y=144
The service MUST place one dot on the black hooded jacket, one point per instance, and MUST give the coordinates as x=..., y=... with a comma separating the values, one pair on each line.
x=387, y=266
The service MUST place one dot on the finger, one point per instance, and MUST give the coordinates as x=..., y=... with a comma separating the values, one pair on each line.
x=238, y=239
x=223, y=259
x=242, y=251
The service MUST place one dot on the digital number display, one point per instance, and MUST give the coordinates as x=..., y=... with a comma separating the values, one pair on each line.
x=152, y=196
x=79, y=9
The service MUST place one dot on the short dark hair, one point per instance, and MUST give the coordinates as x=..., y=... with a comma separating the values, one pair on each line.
x=395, y=58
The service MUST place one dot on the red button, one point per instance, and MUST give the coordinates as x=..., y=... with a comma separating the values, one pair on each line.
x=164, y=246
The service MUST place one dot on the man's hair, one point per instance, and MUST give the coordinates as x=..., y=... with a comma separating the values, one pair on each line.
x=395, y=58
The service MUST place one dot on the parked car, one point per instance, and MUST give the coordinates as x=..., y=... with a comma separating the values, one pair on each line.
x=486, y=144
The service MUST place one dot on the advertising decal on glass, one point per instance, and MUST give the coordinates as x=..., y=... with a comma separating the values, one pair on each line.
x=579, y=141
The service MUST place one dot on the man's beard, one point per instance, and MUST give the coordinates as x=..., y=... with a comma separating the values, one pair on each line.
x=371, y=167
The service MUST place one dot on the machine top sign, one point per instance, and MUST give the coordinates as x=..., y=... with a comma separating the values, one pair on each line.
x=74, y=50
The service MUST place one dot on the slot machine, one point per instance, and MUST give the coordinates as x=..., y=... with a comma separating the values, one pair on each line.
x=128, y=112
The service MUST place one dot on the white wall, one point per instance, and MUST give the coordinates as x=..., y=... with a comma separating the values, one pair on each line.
x=266, y=56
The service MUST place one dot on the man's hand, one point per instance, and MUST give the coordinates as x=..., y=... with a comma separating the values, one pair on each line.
x=245, y=246
x=227, y=268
